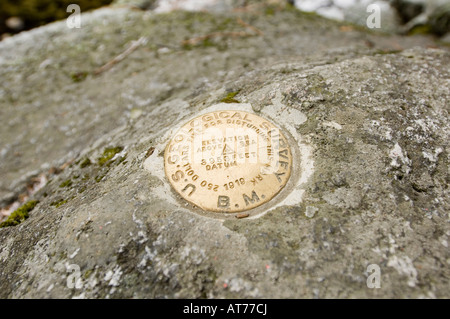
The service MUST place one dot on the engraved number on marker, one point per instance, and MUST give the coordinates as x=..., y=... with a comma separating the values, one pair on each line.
x=210, y=186
x=238, y=182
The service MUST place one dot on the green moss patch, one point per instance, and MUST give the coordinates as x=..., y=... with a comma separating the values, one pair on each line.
x=20, y=214
x=79, y=76
x=59, y=203
x=230, y=98
x=66, y=183
x=421, y=29
x=108, y=154
x=87, y=162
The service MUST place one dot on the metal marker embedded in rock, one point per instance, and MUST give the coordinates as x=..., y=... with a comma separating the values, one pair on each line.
x=228, y=161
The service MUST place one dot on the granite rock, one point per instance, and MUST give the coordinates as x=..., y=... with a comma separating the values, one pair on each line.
x=367, y=113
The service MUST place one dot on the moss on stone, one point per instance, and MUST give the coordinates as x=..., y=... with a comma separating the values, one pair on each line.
x=230, y=98
x=206, y=43
x=108, y=154
x=20, y=214
x=121, y=160
x=269, y=11
x=66, y=183
x=98, y=178
x=79, y=76
x=88, y=273
x=87, y=162
x=82, y=189
x=421, y=29
x=383, y=52
x=59, y=202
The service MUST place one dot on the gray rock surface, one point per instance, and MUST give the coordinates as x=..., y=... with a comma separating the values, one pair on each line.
x=367, y=113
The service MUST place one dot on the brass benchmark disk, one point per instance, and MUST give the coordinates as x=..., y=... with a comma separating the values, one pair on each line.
x=228, y=161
